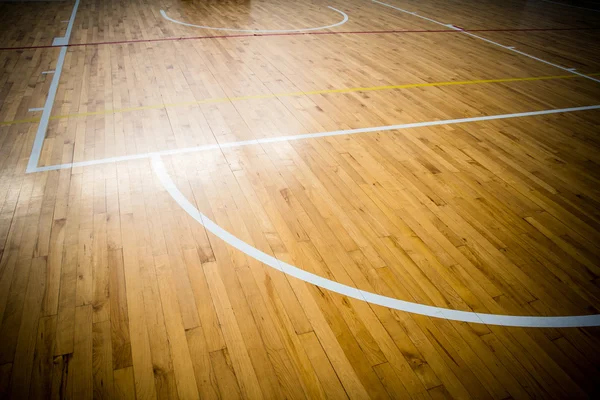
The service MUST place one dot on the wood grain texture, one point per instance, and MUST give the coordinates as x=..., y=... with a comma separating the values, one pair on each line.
x=108, y=289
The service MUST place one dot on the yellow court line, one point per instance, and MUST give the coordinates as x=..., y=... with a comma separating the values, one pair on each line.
x=291, y=94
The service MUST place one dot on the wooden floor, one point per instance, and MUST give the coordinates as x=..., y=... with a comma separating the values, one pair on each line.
x=110, y=287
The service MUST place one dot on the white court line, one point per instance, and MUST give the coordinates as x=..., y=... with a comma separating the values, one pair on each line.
x=308, y=136
x=47, y=72
x=570, y=5
x=509, y=48
x=63, y=41
x=343, y=21
x=40, y=135
x=415, y=308
x=36, y=109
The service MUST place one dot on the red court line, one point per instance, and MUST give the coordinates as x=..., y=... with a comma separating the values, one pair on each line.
x=299, y=34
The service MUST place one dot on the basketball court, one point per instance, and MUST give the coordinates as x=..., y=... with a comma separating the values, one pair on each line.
x=317, y=199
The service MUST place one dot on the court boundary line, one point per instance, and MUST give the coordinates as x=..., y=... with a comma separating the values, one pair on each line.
x=342, y=22
x=289, y=138
x=359, y=294
x=64, y=40
x=510, y=48
x=40, y=136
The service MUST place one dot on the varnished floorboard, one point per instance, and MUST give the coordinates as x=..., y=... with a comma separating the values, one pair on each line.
x=110, y=289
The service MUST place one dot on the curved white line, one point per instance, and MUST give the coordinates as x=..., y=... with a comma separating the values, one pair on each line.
x=431, y=311
x=343, y=21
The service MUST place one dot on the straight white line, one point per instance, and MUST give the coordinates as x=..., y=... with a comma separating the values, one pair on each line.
x=417, y=15
x=571, y=70
x=40, y=135
x=509, y=48
x=63, y=41
x=36, y=109
x=570, y=5
x=343, y=21
x=47, y=72
x=355, y=293
x=309, y=136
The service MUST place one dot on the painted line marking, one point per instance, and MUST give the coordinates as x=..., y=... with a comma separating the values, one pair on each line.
x=183, y=38
x=64, y=40
x=533, y=57
x=40, y=135
x=491, y=42
x=20, y=121
x=60, y=41
x=48, y=72
x=36, y=109
x=226, y=145
x=353, y=292
x=343, y=21
x=291, y=94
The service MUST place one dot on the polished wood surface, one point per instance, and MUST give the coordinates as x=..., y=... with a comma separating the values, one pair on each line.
x=109, y=289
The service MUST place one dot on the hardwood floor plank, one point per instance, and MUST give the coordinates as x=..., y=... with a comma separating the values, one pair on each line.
x=141, y=356
x=240, y=360
x=43, y=360
x=80, y=379
x=162, y=365
x=119, y=318
x=226, y=379
x=24, y=352
x=102, y=360
x=330, y=383
x=100, y=270
x=124, y=387
x=204, y=302
x=60, y=370
x=5, y=371
x=390, y=381
x=180, y=354
x=205, y=376
x=66, y=304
